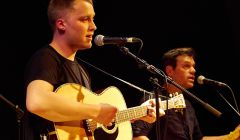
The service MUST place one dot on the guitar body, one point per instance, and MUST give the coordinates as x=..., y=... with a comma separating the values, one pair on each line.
x=76, y=130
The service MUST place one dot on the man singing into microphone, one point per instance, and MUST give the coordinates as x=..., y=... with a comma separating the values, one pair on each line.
x=72, y=23
x=178, y=64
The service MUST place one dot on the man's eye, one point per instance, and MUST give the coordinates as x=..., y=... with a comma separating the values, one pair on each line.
x=85, y=19
x=186, y=66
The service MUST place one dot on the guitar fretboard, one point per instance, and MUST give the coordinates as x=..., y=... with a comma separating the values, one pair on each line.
x=140, y=111
x=131, y=113
x=176, y=102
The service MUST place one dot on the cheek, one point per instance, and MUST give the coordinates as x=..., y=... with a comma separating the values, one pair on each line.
x=179, y=76
x=80, y=27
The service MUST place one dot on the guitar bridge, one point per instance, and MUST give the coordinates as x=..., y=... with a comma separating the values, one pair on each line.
x=87, y=126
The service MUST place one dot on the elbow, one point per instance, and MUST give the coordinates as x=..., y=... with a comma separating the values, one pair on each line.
x=37, y=99
x=33, y=104
x=31, y=107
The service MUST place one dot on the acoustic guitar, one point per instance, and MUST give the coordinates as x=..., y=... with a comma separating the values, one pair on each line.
x=92, y=130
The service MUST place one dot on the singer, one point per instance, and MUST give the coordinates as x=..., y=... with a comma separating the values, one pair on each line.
x=179, y=64
x=55, y=64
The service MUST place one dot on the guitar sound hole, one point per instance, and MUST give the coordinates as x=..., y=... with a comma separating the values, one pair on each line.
x=110, y=127
x=100, y=134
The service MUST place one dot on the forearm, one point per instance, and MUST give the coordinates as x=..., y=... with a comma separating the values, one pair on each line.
x=57, y=109
x=54, y=107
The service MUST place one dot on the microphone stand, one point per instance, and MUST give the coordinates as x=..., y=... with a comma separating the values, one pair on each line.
x=157, y=90
x=160, y=73
x=19, y=112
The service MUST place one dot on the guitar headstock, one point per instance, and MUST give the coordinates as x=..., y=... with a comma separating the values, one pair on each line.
x=176, y=102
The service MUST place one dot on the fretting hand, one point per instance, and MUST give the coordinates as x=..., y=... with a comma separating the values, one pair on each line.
x=151, y=105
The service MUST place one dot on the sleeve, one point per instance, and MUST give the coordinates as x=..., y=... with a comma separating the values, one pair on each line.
x=42, y=66
x=141, y=128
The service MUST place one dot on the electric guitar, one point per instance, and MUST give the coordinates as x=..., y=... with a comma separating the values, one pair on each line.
x=92, y=130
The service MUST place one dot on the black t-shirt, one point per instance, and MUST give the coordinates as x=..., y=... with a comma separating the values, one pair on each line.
x=181, y=125
x=46, y=64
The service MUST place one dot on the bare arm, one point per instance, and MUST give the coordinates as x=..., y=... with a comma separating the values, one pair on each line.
x=43, y=102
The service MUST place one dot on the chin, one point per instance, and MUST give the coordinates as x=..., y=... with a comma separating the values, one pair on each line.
x=86, y=47
x=190, y=85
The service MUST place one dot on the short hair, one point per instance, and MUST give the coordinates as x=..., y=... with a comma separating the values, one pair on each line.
x=170, y=57
x=57, y=8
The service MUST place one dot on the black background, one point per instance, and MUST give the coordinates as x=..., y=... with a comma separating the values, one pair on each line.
x=210, y=27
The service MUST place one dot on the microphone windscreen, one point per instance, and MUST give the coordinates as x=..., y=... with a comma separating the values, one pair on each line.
x=98, y=40
x=200, y=79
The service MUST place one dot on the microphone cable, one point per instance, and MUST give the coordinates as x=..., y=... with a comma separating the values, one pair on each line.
x=234, y=99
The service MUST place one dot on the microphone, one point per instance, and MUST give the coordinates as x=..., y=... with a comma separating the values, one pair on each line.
x=101, y=40
x=202, y=80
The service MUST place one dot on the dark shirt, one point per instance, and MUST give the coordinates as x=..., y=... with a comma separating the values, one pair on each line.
x=175, y=125
x=46, y=64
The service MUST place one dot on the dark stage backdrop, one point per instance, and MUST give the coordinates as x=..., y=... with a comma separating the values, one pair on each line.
x=210, y=27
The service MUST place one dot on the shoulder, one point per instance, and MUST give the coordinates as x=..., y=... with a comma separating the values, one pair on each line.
x=46, y=54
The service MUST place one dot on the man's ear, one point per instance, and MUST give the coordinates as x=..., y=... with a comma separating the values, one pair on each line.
x=169, y=70
x=60, y=24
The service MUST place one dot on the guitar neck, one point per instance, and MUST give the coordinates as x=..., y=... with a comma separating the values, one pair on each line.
x=131, y=113
x=138, y=112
